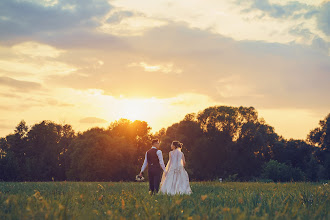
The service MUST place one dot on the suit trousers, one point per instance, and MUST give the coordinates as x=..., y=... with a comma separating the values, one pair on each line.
x=154, y=179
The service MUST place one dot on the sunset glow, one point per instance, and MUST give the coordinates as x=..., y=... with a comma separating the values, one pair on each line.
x=92, y=62
x=140, y=109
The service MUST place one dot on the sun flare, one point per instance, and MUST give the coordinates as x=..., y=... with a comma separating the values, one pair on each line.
x=139, y=109
x=135, y=109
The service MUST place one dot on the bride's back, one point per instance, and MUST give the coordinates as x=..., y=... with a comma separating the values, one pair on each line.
x=176, y=159
x=175, y=179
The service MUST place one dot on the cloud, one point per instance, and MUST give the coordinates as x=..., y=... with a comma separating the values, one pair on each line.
x=129, y=25
x=55, y=102
x=9, y=95
x=321, y=45
x=323, y=18
x=301, y=31
x=33, y=59
x=28, y=18
x=35, y=49
x=93, y=120
x=41, y=67
x=166, y=68
x=19, y=85
x=5, y=108
x=116, y=16
x=292, y=9
x=257, y=73
x=305, y=36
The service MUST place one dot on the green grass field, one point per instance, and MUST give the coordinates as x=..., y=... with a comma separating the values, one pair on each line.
x=210, y=200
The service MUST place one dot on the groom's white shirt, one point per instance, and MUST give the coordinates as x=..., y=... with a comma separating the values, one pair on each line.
x=160, y=157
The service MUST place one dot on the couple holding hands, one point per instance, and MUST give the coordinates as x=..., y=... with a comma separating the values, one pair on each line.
x=172, y=179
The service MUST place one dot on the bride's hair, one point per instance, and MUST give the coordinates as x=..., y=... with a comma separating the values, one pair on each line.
x=177, y=144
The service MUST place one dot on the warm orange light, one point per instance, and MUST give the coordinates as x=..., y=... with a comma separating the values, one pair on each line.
x=135, y=109
x=140, y=109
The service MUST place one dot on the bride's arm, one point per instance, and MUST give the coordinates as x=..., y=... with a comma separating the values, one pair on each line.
x=183, y=160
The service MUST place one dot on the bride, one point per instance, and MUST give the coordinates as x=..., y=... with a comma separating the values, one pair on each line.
x=175, y=179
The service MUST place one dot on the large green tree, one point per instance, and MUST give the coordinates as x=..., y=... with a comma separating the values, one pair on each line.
x=111, y=154
x=218, y=137
x=37, y=153
x=320, y=138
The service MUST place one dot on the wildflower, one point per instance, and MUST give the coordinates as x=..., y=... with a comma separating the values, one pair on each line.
x=122, y=204
x=256, y=209
x=60, y=206
x=203, y=197
x=240, y=200
x=37, y=195
x=178, y=202
x=100, y=186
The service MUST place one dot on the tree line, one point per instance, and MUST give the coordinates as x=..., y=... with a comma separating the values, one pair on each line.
x=226, y=142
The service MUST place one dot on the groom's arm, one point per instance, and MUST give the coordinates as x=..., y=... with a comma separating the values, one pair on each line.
x=145, y=163
x=161, y=161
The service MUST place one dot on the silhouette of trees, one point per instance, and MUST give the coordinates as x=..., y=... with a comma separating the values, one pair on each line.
x=220, y=141
x=111, y=154
x=215, y=138
x=37, y=153
x=320, y=138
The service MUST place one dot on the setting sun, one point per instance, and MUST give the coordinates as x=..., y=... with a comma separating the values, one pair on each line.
x=139, y=109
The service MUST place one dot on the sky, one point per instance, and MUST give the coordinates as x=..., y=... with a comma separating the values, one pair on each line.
x=91, y=62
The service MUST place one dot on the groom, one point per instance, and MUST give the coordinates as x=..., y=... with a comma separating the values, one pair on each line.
x=155, y=162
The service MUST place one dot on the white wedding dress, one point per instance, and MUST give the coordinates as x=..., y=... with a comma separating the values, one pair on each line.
x=175, y=179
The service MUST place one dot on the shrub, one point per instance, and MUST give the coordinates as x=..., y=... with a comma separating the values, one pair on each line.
x=281, y=172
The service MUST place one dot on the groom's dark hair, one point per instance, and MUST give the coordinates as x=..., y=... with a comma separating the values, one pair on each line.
x=154, y=141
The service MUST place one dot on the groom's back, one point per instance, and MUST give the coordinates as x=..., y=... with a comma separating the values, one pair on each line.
x=152, y=158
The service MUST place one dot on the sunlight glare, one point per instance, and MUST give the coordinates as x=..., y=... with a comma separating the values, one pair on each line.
x=139, y=109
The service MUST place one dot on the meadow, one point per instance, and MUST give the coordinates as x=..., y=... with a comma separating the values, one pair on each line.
x=130, y=200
